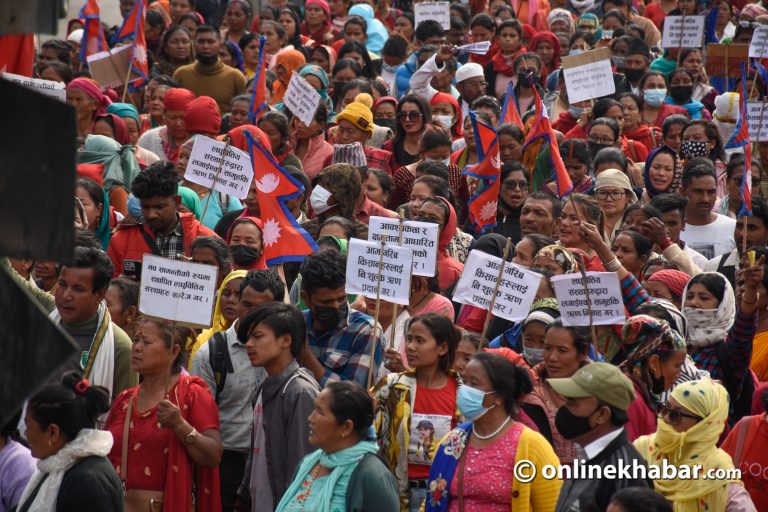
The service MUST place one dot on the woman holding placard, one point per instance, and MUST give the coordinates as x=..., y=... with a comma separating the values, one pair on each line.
x=418, y=404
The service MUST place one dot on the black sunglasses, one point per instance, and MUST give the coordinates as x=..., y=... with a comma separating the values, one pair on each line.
x=674, y=416
x=412, y=115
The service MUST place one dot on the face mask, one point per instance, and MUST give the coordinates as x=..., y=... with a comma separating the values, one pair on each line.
x=594, y=148
x=330, y=317
x=657, y=384
x=618, y=61
x=681, y=93
x=575, y=51
x=319, y=200
x=607, y=34
x=692, y=148
x=389, y=69
x=654, y=97
x=582, y=4
x=206, y=60
x=533, y=355
x=386, y=122
x=445, y=162
x=527, y=79
x=470, y=402
x=633, y=75
x=576, y=112
x=570, y=425
x=446, y=120
x=244, y=256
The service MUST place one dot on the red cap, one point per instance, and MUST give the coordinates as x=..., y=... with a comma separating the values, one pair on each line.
x=177, y=100
x=203, y=116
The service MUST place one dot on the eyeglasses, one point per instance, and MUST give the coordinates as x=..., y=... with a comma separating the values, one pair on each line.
x=413, y=115
x=481, y=85
x=674, y=416
x=613, y=194
x=601, y=140
x=738, y=180
x=515, y=184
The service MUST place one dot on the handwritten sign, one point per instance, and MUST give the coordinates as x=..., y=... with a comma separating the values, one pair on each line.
x=758, y=46
x=683, y=32
x=438, y=11
x=109, y=68
x=588, y=75
x=478, y=48
x=604, y=295
x=55, y=90
x=757, y=117
x=302, y=99
x=204, y=161
x=516, y=292
x=420, y=237
x=723, y=60
x=363, y=272
x=178, y=290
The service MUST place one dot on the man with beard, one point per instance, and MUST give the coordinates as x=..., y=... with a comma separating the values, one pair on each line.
x=209, y=76
x=540, y=214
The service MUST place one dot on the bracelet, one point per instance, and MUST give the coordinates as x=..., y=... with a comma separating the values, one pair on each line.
x=613, y=265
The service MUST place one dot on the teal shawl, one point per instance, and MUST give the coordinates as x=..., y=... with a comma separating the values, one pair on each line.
x=104, y=232
x=191, y=200
x=120, y=166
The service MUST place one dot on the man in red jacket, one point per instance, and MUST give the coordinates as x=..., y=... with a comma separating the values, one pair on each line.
x=164, y=232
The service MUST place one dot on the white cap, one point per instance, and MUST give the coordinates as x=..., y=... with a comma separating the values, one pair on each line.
x=469, y=70
x=75, y=36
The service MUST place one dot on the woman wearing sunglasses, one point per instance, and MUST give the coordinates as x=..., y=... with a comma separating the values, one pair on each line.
x=413, y=113
x=512, y=194
x=689, y=426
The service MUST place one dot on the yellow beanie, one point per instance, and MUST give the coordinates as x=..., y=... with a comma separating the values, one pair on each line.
x=359, y=115
x=365, y=98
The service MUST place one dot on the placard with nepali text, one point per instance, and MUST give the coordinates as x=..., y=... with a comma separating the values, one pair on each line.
x=420, y=237
x=757, y=117
x=55, y=90
x=588, y=75
x=683, y=32
x=301, y=99
x=233, y=178
x=758, y=46
x=438, y=11
x=364, y=272
x=604, y=295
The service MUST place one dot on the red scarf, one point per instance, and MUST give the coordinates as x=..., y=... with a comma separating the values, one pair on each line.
x=485, y=59
x=500, y=64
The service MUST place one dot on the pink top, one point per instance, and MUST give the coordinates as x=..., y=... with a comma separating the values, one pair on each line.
x=438, y=304
x=642, y=420
x=317, y=151
x=488, y=475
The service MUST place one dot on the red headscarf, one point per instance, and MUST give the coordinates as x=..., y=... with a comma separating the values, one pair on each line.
x=237, y=137
x=449, y=230
x=203, y=116
x=177, y=100
x=385, y=99
x=118, y=126
x=675, y=280
x=546, y=37
x=442, y=97
x=92, y=89
x=319, y=35
x=261, y=263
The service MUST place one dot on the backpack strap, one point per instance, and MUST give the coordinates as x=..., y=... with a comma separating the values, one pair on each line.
x=220, y=361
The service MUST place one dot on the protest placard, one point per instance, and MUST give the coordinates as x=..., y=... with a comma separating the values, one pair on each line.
x=437, y=11
x=724, y=60
x=55, y=90
x=758, y=46
x=363, y=271
x=516, y=289
x=109, y=68
x=478, y=48
x=204, y=167
x=177, y=290
x=420, y=237
x=683, y=32
x=301, y=99
x=757, y=117
x=604, y=295
x=588, y=75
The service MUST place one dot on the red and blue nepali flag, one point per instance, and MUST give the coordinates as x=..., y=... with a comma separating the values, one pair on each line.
x=510, y=114
x=133, y=27
x=259, y=98
x=284, y=239
x=483, y=205
x=740, y=139
x=94, y=40
x=542, y=129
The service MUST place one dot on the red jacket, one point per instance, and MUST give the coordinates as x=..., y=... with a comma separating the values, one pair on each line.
x=128, y=243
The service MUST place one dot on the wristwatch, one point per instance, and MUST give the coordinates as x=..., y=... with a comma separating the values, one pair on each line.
x=192, y=436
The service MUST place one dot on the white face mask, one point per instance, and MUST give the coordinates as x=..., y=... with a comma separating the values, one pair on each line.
x=446, y=120
x=582, y=4
x=447, y=161
x=389, y=69
x=319, y=200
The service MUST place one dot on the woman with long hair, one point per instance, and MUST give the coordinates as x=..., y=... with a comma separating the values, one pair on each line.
x=175, y=50
x=413, y=114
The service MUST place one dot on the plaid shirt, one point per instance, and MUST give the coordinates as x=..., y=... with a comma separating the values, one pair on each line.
x=172, y=245
x=739, y=346
x=633, y=293
x=345, y=350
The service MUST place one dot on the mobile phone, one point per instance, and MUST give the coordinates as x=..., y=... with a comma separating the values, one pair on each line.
x=132, y=269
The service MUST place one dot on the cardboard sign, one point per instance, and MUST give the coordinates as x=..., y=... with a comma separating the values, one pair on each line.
x=758, y=46
x=302, y=99
x=604, y=295
x=364, y=274
x=438, y=11
x=588, y=75
x=235, y=175
x=109, y=68
x=178, y=290
x=683, y=32
x=724, y=60
x=516, y=292
x=55, y=90
x=420, y=237
x=478, y=48
x=757, y=117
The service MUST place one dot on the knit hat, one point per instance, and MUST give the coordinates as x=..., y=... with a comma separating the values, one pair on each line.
x=615, y=178
x=365, y=98
x=639, y=47
x=352, y=154
x=469, y=70
x=603, y=381
x=177, y=100
x=675, y=280
x=561, y=15
x=323, y=5
x=359, y=114
x=203, y=115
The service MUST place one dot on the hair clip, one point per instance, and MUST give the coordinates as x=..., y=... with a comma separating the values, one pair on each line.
x=82, y=386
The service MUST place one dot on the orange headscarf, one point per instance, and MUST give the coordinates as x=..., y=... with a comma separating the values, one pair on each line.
x=291, y=60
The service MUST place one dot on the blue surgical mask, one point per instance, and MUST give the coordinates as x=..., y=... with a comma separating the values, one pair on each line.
x=575, y=51
x=533, y=355
x=618, y=61
x=654, y=97
x=470, y=402
x=576, y=112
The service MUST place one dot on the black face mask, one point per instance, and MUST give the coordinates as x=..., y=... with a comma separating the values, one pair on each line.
x=594, y=148
x=633, y=75
x=657, y=384
x=330, y=317
x=244, y=256
x=570, y=425
x=386, y=122
x=524, y=78
x=681, y=93
x=207, y=60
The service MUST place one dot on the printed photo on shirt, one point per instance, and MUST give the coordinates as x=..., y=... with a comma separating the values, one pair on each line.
x=426, y=432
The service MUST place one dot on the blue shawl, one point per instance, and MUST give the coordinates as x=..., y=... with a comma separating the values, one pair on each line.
x=444, y=466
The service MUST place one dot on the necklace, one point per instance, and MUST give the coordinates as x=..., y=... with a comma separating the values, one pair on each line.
x=494, y=433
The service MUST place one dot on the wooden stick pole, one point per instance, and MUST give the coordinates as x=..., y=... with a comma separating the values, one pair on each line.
x=680, y=44
x=507, y=248
x=727, y=78
x=127, y=78
x=371, y=367
x=227, y=140
x=394, y=305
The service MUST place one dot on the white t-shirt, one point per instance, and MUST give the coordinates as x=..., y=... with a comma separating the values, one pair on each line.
x=712, y=239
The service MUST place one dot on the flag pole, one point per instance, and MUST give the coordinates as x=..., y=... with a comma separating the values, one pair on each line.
x=507, y=248
x=216, y=176
x=371, y=367
x=394, y=305
x=127, y=76
x=680, y=44
x=583, y=269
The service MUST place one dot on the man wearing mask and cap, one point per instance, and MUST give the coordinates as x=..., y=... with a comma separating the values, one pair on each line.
x=597, y=397
x=637, y=60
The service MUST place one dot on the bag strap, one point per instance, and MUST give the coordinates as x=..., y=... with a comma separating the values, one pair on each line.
x=462, y=463
x=126, y=430
x=150, y=242
x=220, y=361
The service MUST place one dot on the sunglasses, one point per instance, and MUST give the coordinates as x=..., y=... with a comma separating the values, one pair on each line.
x=515, y=184
x=674, y=416
x=411, y=116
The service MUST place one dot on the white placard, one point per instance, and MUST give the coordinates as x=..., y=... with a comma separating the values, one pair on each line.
x=677, y=35
x=604, y=293
x=420, y=237
x=235, y=175
x=438, y=11
x=588, y=75
x=757, y=117
x=478, y=48
x=55, y=90
x=758, y=46
x=517, y=288
x=178, y=290
x=363, y=271
x=302, y=99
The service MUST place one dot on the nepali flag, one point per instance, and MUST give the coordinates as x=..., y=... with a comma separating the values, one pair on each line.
x=133, y=27
x=484, y=204
x=259, y=98
x=94, y=40
x=284, y=239
x=740, y=139
x=510, y=114
x=541, y=129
